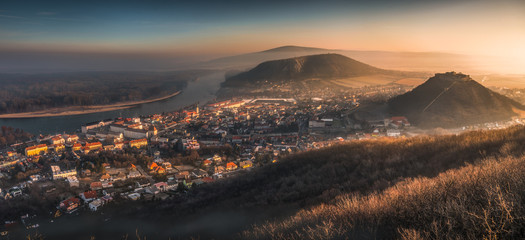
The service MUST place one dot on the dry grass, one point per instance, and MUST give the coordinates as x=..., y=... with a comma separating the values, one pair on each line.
x=481, y=201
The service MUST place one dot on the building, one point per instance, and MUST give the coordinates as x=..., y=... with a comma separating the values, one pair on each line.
x=134, y=196
x=77, y=147
x=58, y=174
x=93, y=146
x=95, y=186
x=117, y=127
x=134, y=174
x=59, y=147
x=138, y=143
x=88, y=196
x=88, y=126
x=188, y=144
x=36, y=150
x=231, y=166
x=72, y=139
x=95, y=205
x=57, y=140
x=70, y=205
x=397, y=122
x=73, y=181
x=246, y=164
x=152, y=131
x=393, y=133
x=135, y=133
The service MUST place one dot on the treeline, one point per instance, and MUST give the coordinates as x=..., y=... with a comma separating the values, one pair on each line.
x=33, y=92
x=9, y=135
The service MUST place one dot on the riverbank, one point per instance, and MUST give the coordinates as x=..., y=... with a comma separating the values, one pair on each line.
x=79, y=110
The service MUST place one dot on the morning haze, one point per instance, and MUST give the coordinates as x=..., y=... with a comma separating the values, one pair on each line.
x=276, y=119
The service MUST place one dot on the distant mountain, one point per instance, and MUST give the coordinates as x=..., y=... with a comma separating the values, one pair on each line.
x=323, y=66
x=291, y=48
x=249, y=60
x=402, y=61
x=452, y=100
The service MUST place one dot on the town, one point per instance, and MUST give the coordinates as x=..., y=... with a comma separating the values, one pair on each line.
x=163, y=156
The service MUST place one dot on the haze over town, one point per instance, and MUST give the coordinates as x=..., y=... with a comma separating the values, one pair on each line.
x=359, y=119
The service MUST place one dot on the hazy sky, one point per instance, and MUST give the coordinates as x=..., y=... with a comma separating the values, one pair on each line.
x=215, y=28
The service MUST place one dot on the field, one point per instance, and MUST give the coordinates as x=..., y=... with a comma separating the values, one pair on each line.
x=357, y=82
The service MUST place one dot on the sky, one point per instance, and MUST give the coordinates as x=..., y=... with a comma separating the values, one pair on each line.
x=200, y=29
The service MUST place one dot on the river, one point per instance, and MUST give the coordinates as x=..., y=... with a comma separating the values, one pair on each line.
x=201, y=90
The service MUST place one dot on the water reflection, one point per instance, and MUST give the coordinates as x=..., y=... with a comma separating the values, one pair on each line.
x=200, y=90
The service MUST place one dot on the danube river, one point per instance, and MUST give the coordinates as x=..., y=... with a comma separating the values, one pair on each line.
x=201, y=90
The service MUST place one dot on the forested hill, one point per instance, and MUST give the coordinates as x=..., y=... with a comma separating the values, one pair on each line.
x=33, y=92
x=323, y=66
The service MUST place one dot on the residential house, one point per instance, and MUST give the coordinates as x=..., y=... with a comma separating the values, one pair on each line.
x=162, y=186
x=88, y=196
x=206, y=163
x=70, y=205
x=15, y=192
x=231, y=166
x=73, y=181
x=182, y=175
x=96, y=185
x=219, y=169
x=105, y=178
x=95, y=205
x=134, y=196
x=246, y=164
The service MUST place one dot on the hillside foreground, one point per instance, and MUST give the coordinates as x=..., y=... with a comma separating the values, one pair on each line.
x=482, y=200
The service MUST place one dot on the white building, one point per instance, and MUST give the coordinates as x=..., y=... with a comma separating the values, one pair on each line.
x=95, y=204
x=393, y=133
x=58, y=174
x=73, y=181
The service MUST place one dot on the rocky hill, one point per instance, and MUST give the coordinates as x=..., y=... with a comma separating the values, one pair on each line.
x=453, y=100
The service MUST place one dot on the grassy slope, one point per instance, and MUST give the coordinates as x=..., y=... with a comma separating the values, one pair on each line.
x=482, y=201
